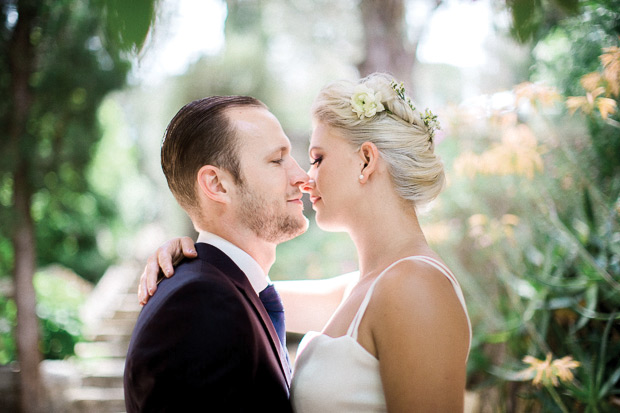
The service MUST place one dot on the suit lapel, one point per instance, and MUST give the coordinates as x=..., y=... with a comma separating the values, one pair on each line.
x=217, y=258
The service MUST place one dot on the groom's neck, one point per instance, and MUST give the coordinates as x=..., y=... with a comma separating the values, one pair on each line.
x=263, y=252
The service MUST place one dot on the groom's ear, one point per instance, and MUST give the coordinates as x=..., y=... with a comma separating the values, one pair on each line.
x=214, y=183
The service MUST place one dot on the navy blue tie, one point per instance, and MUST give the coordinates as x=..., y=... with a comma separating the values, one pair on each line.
x=273, y=304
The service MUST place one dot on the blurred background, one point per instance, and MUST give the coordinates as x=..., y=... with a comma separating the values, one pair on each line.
x=527, y=95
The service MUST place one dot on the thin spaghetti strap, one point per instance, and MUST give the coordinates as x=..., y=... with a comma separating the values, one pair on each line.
x=437, y=264
x=445, y=271
x=352, y=331
x=353, y=328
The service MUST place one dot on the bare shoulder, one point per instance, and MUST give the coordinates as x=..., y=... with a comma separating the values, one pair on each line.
x=420, y=335
x=415, y=294
x=414, y=279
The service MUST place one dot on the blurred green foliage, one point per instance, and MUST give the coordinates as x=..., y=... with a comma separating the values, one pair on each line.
x=80, y=56
x=59, y=60
x=8, y=314
x=58, y=303
x=73, y=72
x=531, y=222
x=126, y=24
x=532, y=18
x=59, y=298
x=315, y=255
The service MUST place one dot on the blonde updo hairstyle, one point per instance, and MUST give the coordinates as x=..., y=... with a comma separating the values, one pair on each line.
x=399, y=133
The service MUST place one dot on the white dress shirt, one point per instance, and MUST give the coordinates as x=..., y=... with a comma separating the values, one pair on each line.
x=242, y=259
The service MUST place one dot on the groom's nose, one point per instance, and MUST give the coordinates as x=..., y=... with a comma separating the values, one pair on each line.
x=298, y=176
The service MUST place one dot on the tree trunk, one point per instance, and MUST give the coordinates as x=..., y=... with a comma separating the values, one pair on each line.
x=386, y=45
x=27, y=322
x=21, y=63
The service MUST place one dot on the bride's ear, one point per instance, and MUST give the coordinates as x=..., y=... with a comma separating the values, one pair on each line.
x=369, y=155
x=214, y=183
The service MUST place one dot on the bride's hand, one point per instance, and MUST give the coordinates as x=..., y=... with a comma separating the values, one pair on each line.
x=165, y=257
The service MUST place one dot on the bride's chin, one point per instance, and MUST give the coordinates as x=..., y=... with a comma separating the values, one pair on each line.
x=327, y=225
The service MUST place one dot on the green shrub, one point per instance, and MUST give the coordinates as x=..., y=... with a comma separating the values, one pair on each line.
x=59, y=297
x=533, y=206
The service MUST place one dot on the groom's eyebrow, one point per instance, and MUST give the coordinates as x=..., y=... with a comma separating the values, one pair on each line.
x=281, y=149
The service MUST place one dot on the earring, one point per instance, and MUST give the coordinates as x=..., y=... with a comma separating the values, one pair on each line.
x=361, y=177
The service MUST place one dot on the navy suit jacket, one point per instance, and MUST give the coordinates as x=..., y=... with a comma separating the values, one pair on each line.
x=204, y=342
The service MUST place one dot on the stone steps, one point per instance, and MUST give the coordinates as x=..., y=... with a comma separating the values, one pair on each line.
x=101, y=349
x=109, y=320
x=104, y=372
x=118, y=328
x=96, y=399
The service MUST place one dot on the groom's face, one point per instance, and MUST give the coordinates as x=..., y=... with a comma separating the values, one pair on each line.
x=268, y=201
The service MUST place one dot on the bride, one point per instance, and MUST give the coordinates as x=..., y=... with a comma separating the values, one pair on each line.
x=396, y=336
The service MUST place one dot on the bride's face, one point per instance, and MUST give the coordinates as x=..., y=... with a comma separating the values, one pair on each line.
x=335, y=170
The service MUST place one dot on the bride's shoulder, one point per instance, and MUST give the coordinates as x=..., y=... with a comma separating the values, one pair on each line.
x=413, y=283
x=414, y=270
x=417, y=298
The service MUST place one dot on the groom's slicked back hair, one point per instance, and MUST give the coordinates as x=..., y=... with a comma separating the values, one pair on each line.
x=201, y=134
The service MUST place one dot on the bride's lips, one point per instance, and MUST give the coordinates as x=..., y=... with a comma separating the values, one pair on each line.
x=314, y=199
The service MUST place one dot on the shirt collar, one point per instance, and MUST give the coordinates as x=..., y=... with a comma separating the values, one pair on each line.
x=244, y=261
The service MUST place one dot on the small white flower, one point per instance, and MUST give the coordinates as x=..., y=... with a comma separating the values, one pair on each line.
x=365, y=102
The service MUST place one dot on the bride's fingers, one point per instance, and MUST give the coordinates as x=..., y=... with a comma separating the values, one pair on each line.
x=173, y=251
x=143, y=296
x=187, y=248
x=166, y=254
x=151, y=274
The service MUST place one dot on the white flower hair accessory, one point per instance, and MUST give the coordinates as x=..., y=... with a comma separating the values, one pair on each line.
x=365, y=102
x=430, y=120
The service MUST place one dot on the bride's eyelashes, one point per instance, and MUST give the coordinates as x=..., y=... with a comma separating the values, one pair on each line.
x=316, y=161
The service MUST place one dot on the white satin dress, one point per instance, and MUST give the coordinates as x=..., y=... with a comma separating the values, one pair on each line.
x=337, y=374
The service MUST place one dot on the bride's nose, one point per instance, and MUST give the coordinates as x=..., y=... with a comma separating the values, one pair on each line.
x=308, y=186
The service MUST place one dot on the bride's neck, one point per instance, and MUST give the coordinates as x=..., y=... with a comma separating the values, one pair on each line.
x=381, y=241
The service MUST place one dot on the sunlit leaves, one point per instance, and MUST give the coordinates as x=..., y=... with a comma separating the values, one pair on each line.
x=537, y=94
x=591, y=101
x=606, y=107
x=611, y=69
x=599, y=87
x=549, y=372
x=128, y=22
x=517, y=153
x=529, y=16
x=590, y=81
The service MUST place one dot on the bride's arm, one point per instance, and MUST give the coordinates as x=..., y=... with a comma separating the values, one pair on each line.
x=310, y=303
x=419, y=331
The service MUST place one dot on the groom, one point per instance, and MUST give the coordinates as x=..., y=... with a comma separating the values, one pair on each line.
x=206, y=341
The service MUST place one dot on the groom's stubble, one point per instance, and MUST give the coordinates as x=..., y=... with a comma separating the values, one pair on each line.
x=270, y=220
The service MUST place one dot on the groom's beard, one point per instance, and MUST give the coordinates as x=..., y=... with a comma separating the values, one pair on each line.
x=270, y=220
